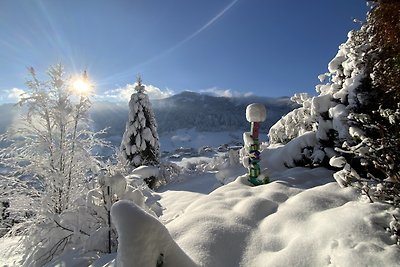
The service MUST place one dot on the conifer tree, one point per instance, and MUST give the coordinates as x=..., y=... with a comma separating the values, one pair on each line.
x=140, y=143
x=355, y=118
x=374, y=155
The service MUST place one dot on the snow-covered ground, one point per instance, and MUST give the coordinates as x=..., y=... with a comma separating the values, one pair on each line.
x=289, y=222
x=301, y=218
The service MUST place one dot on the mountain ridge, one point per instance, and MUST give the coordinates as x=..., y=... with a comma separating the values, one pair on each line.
x=188, y=110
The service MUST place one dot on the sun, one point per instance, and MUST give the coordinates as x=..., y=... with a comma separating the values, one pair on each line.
x=81, y=86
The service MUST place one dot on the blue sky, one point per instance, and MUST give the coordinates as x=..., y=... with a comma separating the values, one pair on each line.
x=269, y=48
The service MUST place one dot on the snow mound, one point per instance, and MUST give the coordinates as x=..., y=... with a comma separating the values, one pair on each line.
x=143, y=240
x=289, y=222
x=280, y=157
x=146, y=171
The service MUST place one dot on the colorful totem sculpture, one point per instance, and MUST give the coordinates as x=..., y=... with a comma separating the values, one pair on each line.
x=255, y=114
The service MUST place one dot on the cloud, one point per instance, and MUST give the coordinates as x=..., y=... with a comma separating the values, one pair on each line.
x=156, y=93
x=214, y=91
x=124, y=93
x=14, y=94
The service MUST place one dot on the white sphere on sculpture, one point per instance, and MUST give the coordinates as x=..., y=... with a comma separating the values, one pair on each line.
x=256, y=112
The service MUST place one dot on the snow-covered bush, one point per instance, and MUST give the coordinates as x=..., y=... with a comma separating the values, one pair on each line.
x=168, y=172
x=295, y=123
x=140, y=143
x=148, y=174
x=110, y=189
x=16, y=200
x=228, y=166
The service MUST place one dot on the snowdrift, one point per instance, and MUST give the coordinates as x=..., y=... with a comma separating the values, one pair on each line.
x=302, y=218
x=286, y=223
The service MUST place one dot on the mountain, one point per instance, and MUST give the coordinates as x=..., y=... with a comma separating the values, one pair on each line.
x=192, y=110
x=187, y=110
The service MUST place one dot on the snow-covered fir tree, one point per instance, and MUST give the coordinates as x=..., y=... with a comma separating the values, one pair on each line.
x=373, y=152
x=352, y=125
x=140, y=143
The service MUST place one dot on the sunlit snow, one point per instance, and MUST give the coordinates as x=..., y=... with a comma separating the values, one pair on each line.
x=302, y=218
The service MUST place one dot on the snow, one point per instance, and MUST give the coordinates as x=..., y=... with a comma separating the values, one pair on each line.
x=10, y=251
x=322, y=77
x=356, y=132
x=146, y=171
x=203, y=183
x=140, y=132
x=301, y=218
x=256, y=113
x=328, y=113
x=286, y=156
x=191, y=138
x=143, y=240
x=211, y=216
x=74, y=258
x=116, y=182
x=247, y=139
x=337, y=162
x=238, y=225
x=339, y=119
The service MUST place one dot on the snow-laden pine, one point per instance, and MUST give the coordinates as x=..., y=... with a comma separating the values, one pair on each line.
x=140, y=142
x=354, y=117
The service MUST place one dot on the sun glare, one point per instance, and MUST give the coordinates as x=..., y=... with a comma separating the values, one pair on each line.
x=81, y=87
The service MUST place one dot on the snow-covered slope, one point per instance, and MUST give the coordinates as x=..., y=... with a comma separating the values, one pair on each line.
x=302, y=218
x=282, y=224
